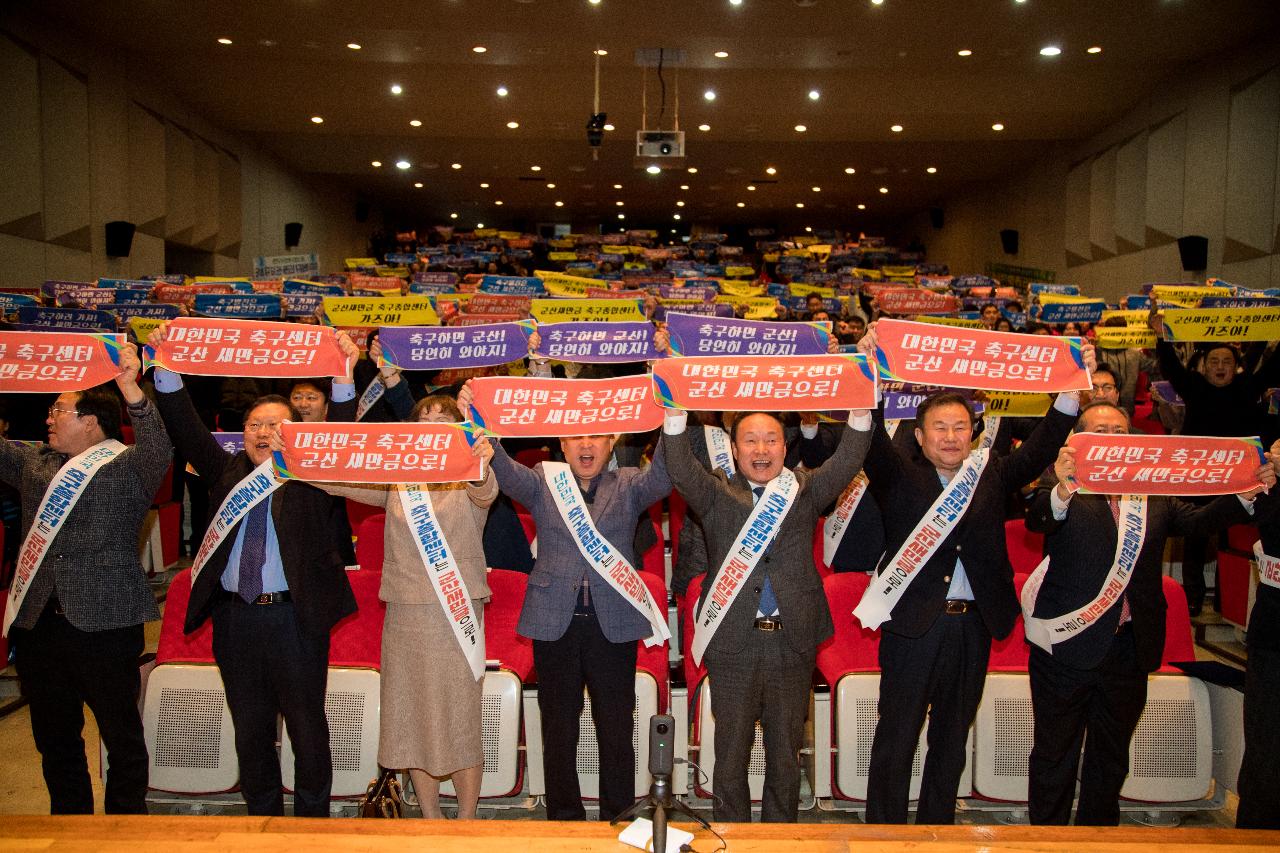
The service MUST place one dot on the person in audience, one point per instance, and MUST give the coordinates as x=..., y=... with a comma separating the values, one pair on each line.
x=936, y=640
x=430, y=700
x=310, y=398
x=760, y=660
x=989, y=314
x=584, y=632
x=1259, y=780
x=1091, y=689
x=274, y=586
x=77, y=629
x=1105, y=389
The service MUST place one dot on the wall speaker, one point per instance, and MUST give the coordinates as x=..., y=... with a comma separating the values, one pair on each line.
x=292, y=234
x=1009, y=240
x=119, y=238
x=935, y=218
x=1194, y=252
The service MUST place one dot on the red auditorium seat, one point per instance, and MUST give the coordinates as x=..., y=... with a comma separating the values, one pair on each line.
x=531, y=456
x=654, y=660
x=1235, y=572
x=693, y=673
x=502, y=643
x=1026, y=549
x=653, y=560
x=1179, y=643
x=356, y=641
x=174, y=646
x=357, y=512
x=1011, y=653
x=1241, y=537
x=676, y=508
x=852, y=648
x=369, y=542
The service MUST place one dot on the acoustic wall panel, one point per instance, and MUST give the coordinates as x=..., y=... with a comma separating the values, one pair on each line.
x=179, y=163
x=205, y=194
x=21, y=191
x=229, y=201
x=1102, y=205
x=64, y=125
x=1077, y=220
x=1252, y=137
x=1131, y=189
x=1166, y=162
x=147, y=199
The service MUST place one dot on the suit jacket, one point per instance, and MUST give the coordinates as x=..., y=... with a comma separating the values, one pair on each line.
x=300, y=512
x=1081, y=548
x=724, y=505
x=92, y=563
x=905, y=486
x=554, y=584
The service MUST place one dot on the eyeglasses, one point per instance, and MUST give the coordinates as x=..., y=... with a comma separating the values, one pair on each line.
x=254, y=426
x=1104, y=387
x=54, y=411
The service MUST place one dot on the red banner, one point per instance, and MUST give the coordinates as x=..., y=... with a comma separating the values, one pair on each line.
x=1165, y=464
x=499, y=303
x=528, y=407
x=605, y=293
x=808, y=383
x=202, y=346
x=388, y=285
x=915, y=300
x=931, y=354
x=56, y=362
x=378, y=453
x=185, y=294
x=275, y=285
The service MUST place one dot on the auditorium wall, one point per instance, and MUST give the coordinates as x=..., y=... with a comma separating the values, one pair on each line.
x=89, y=139
x=1200, y=155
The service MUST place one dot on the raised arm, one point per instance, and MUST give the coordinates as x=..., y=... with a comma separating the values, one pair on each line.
x=698, y=485
x=653, y=483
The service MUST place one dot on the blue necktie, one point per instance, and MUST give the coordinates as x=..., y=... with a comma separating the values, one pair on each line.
x=768, y=601
x=253, y=552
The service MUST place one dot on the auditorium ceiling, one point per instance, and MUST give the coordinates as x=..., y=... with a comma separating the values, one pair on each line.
x=846, y=71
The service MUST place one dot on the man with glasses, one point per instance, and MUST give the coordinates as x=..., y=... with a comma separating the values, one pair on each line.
x=80, y=597
x=270, y=577
x=310, y=398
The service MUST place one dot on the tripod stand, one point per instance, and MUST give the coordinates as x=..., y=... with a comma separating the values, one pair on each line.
x=661, y=801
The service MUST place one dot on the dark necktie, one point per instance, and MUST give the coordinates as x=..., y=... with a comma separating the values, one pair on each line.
x=1125, y=614
x=768, y=601
x=253, y=551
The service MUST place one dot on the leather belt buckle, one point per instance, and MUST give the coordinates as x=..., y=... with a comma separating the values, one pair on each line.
x=957, y=605
x=768, y=623
x=273, y=598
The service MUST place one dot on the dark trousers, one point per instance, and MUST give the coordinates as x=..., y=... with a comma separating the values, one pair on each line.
x=1098, y=708
x=939, y=674
x=766, y=682
x=1195, y=551
x=271, y=669
x=62, y=669
x=583, y=656
x=1259, y=783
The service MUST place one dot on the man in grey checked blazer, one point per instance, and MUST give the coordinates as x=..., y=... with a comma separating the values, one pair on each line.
x=78, y=633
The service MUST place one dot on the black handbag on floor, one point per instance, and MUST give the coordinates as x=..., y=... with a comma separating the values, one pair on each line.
x=384, y=798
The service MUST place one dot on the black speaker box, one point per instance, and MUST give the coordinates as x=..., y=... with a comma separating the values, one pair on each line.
x=119, y=238
x=292, y=234
x=1009, y=241
x=1194, y=252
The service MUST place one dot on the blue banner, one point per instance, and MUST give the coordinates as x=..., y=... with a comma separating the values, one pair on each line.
x=1137, y=302
x=441, y=348
x=66, y=319
x=10, y=302
x=693, y=335
x=706, y=309
x=294, y=285
x=1064, y=289
x=1072, y=312
x=513, y=285
x=245, y=306
x=597, y=343
x=124, y=311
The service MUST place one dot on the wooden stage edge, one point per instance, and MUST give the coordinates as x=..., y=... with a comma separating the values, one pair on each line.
x=220, y=834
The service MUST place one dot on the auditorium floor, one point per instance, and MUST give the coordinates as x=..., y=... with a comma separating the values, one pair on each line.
x=22, y=788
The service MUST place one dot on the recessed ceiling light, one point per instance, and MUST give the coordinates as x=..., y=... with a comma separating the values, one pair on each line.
x=751, y=188
x=594, y=2
x=1050, y=50
x=799, y=204
x=455, y=165
x=415, y=123
x=498, y=202
x=710, y=94
x=417, y=185
x=478, y=49
x=722, y=54
x=1094, y=49
x=377, y=164
x=535, y=168
x=551, y=186
x=742, y=204
x=513, y=124
x=932, y=170
x=403, y=164
x=800, y=128
x=601, y=52
x=816, y=189
x=622, y=216
x=735, y=2
x=617, y=186
x=502, y=91
x=884, y=191
x=675, y=216
x=317, y=120
x=484, y=186
x=771, y=171
x=608, y=127
x=224, y=41
x=704, y=127
x=692, y=170
x=997, y=126
x=684, y=187
x=877, y=2
x=267, y=42
x=559, y=204
x=353, y=45
x=453, y=216
x=397, y=89
x=896, y=128
x=849, y=170
x=680, y=203
x=862, y=207
x=814, y=94
x=620, y=203
x=965, y=52
x=653, y=169
x=479, y=224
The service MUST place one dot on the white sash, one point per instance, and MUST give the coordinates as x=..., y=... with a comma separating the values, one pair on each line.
x=837, y=523
x=444, y=574
x=990, y=426
x=596, y=550
x=372, y=394
x=886, y=588
x=891, y=428
x=1046, y=633
x=59, y=499
x=1268, y=566
x=718, y=449
x=755, y=537
x=244, y=496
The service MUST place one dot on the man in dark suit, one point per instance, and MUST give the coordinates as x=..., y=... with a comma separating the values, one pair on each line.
x=936, y=638
x=77, y=633
x=274, y=587
x=760, y=658
x=1092, y=687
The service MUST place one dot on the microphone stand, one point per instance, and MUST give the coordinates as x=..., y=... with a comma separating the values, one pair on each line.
x=661, y=801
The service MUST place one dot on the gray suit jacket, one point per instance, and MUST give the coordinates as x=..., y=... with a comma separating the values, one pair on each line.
x=92, y=563
x=724, y=505
x=555, y=583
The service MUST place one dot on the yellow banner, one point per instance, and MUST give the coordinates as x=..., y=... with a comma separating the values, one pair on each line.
x=867, y=274
x=566, y=243
x=738, y=288
x=510, y=235
x=393, y=271
x=562, y=310
x=1131, y=318
x=562, y=256
x=949, y=321
x=1223, y=324
x=1188, y=296
x=739, y=272
x=799, y=288
x=1017, y=405
x=1124, y=337
x=1064, y=298
x=631, y=250
x=352, y=263
x=797, y=253
x=563, y=284
x=142, y=327
x=225, y=279
x=899, y=272
x=758, y=307
x=771, y=257
x=635, y=265
x=486, y=232
x=380, y=311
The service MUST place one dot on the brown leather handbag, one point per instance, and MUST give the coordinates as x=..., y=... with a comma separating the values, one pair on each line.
x=384, y=798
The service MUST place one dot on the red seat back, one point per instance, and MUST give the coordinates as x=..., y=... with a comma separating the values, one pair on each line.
x=1011, y=654
x=1242, y=536
x=174, y=646
x=852, y=648
x=501, y=616
x=1179, y=644
x=356, y=641
x=692, y=672
x=823, y=569
x=531, y=456
x=1234, y=571
x=369, y=541
x=358, y=512
x=676, y=509
x=526, y=521
x=654, y=660
x=653, y=561
x=1025, y=549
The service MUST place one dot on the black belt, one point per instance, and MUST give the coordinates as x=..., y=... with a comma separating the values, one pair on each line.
x=265, y=598
x=768, y=623
x=957, y=605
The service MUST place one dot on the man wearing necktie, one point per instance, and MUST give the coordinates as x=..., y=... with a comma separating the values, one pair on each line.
x=760, y=659
x=1092, y=688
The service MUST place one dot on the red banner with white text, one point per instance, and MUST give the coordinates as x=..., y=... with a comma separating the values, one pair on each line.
x=202, y=346
x=378, y=453
x=1165, y=464
x=776, y=384
x=527, y=407
x=56, y=362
